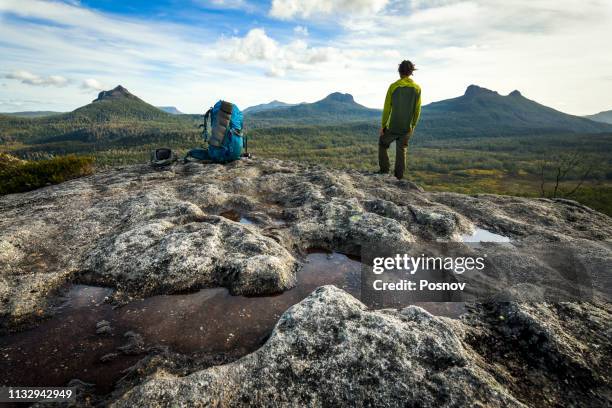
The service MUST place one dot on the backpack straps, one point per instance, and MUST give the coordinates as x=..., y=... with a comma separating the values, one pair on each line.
x=207, y=117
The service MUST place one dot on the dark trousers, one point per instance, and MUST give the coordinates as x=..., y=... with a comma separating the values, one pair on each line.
x=401, y=143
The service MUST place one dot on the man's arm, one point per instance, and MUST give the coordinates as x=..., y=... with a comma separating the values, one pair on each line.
x=387, y=108
x=417, y=112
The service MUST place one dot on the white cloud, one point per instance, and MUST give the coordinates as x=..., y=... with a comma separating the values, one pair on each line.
x=26, y=77
x=29, y=78
x=530, y=45
x=234, y=4
x=257, y=47
x=301, y=30
x=92, y=84
x=240, y=5
x=155, y=60
x=275, y=71
x=391, y=54
x=287, y=9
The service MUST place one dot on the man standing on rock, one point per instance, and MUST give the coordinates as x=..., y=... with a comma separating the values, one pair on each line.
x=400, y=116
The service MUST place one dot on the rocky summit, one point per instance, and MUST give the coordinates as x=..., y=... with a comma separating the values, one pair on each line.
x=115, y=93
x=143, y=232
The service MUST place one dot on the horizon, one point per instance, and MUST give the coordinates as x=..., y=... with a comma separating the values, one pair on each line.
x=269, y=102
x=58, y=53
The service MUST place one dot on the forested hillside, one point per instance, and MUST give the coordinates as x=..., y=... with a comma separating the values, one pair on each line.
x=482, y=112
x=115, y=121
x=605, y=117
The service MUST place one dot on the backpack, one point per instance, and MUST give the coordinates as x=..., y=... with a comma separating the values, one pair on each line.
x=226, y=141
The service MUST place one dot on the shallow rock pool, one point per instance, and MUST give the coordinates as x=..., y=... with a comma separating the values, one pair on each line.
x=483, y=235
x=90, y=340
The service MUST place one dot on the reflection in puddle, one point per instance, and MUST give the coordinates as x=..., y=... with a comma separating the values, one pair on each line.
x=66, y=346
x=482, y=235
x=208, y=321
x=211, y=321
x=235, y=216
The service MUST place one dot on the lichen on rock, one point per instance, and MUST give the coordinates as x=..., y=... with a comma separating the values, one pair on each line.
x=146, y=231
x=330, y=350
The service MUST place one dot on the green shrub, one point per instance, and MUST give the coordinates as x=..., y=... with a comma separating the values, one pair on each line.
x=17, y=176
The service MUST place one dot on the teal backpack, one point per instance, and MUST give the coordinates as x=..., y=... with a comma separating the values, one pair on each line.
x=225, y=141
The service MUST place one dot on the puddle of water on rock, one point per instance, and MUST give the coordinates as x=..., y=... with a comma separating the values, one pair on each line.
x=235, y=216
x=482, y=235
x=66, y=346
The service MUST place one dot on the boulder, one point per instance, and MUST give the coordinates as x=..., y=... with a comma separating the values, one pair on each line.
x=330, y=350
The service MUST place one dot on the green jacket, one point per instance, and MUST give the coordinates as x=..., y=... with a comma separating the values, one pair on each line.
x=402, y=106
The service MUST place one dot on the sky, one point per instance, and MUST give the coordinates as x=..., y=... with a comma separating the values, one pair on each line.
x=57, y=55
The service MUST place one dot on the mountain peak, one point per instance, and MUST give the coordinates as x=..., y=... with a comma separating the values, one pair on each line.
x=475, y=90
x=340, y=97
x=115, y=93
x=515, y=93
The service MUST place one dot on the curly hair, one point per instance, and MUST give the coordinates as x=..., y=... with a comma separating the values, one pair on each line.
x=406, y=68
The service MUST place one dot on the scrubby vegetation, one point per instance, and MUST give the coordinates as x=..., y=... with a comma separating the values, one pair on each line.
x=17, y=176
x=501, y=165
x=459, y=145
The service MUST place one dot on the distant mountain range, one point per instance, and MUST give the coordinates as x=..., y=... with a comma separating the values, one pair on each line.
x=170, y=109
x=478, y=112
x=335, y=108
x=267, y=106
x=482, y=112
x=31, y=114
x=605, y=117
x=119, y=115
